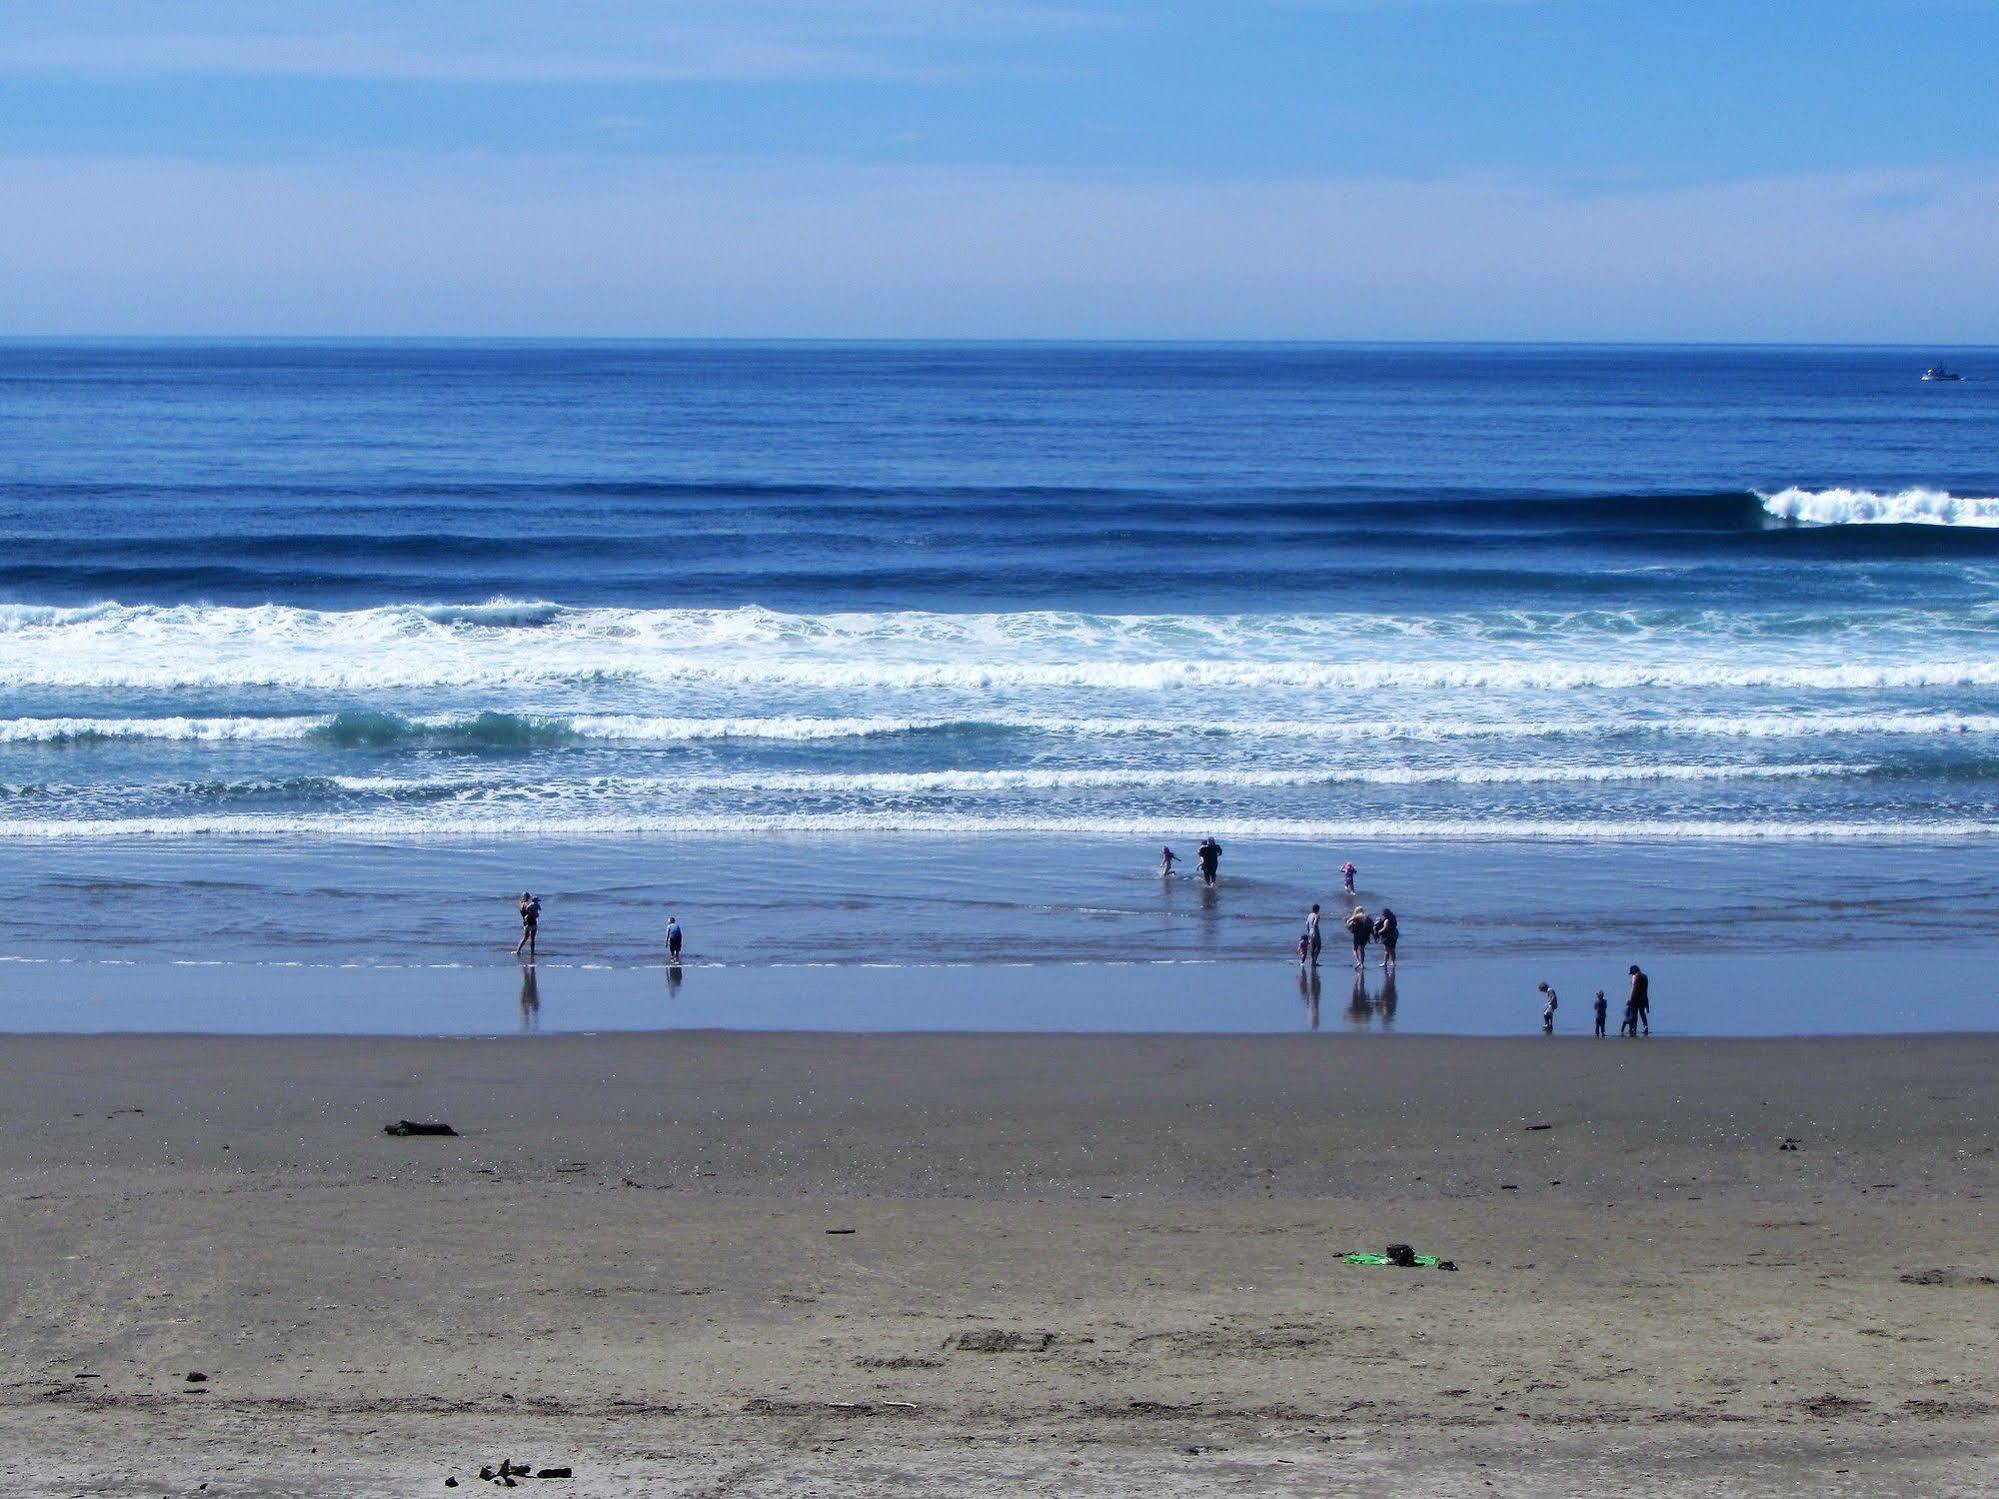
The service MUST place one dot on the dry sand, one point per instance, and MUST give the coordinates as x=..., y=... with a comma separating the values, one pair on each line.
x=1075, y=1265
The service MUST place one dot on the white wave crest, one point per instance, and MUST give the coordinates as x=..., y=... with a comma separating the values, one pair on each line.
x=729, y=651
x=344, y=826
x=169, y=672
x=653, y=729
x=896, y=783
x=73, y=730
x=1864, y=507
x=477, y=787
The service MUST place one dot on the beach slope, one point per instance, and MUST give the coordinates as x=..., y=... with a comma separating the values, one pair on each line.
x=782, y=1264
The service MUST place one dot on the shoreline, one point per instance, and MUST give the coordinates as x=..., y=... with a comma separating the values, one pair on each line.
x=1879, y=989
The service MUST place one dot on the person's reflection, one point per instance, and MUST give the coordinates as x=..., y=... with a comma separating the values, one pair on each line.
x=673, y=978
x=530, y=999
x=1360, y=1008
x=1388, y=999
x=1308, y=990
x=1210, y=915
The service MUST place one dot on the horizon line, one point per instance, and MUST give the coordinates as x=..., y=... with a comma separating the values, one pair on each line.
x=974, y=340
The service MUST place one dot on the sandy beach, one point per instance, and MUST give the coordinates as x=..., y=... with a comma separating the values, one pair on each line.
x=781, y=1264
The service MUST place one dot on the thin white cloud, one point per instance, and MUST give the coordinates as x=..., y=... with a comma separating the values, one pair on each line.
x=473, y=245
x=526, y=40
x=682, y=59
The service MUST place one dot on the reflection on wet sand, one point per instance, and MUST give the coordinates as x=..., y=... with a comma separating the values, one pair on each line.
x=673, y=977
x=1365, y=1008
x=530, y=998
x=1308, y=990
x=1210, y=916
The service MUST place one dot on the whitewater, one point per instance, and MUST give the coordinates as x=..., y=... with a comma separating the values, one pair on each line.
x=866, y=658
x=504, y=717
x=324, y=653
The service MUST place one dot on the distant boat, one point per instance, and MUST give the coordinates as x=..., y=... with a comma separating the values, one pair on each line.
x=1938, y=372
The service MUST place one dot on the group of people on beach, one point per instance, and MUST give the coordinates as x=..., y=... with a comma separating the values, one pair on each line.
x=1361, y=928
x=1208, y=856
x=531, y=928
x=1637, y=1006
x=1385, y=931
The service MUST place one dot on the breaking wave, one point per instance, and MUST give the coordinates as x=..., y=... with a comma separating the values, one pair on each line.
x=372, y=730
x=1864, y=507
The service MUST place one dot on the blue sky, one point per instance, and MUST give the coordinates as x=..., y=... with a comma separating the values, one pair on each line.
x=1816, y=169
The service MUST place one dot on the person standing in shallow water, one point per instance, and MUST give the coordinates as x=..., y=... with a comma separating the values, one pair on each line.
x=1548, y=1015
x=530, y=921
x=1641, y=1000
x=1360, y=927
x=1167, y=859
x=1312, y=939
x=1602, y=1006
x=1388, y=932
x=673, y=935
x=1347, y=872
x=1210, y=853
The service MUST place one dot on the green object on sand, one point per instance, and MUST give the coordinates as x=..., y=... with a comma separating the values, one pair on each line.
x=1429, y=1260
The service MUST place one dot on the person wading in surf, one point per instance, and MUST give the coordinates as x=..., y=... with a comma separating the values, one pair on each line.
x=1360, y=926
x=1388, y=932
x=530, y=921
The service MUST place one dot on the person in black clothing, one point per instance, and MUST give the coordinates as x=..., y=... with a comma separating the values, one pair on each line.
x=1387, y=931
x=530, y=922
x=1210, y=854
x=1602, y=1005
x=1641, y=999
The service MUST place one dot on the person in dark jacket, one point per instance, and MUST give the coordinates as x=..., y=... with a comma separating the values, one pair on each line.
x=530, y=923
x=1641, y=999
x=1387, y=931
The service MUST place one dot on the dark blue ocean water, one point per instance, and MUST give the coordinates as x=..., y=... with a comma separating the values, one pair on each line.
x=422, y=614
x=1123, y=479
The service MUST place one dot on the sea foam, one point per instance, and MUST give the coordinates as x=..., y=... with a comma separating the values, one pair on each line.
x=1865, y=507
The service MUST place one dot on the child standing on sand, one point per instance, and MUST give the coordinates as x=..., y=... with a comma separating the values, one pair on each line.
x=1548, y=1015
x=1601, y=1005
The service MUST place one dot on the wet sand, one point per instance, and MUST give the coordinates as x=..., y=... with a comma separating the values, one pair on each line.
x=1075, y=1265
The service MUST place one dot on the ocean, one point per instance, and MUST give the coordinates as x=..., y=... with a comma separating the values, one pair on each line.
x=914, y=655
